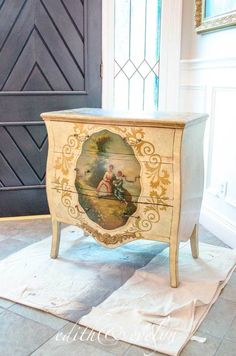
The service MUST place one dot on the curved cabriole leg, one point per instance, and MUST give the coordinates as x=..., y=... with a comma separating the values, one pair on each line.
x=174, y=272
x=194, y=242
x=56, y=232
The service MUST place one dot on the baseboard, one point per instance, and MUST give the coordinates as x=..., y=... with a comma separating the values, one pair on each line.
x=219, y=226
x=29, y=217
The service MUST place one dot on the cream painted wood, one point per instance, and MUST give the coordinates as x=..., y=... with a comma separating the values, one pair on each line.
x=174, y=139
x=192, y=168
x=146, y=187
x=123, y=118
x=160, y=228
x=173, y=256
x=56, y=233
x=194, y=242
x=162, y=140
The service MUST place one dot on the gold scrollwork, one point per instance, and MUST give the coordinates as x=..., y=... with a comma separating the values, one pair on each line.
x=108, y=239
x=61, y=186
x=158, y=177
x=74, y=141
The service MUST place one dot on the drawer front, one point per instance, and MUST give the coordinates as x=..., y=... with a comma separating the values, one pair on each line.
x=145, y=143
x=110, y=225
x=127, y=180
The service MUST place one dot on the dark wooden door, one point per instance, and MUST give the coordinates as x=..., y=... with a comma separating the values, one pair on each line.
x=50, y=56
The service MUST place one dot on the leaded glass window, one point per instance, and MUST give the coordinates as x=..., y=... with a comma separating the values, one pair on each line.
x=136, y=54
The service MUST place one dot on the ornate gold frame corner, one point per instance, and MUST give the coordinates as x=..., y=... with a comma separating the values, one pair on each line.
x=212, y=23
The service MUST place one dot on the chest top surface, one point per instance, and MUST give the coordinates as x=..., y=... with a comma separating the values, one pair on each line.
x=101, y=116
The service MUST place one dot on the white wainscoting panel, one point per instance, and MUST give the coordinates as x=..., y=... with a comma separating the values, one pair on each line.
x=210, y=86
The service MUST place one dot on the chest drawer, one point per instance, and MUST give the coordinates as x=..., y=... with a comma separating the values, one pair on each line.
x=145, y=142
x=111, y=224
x=127, y=180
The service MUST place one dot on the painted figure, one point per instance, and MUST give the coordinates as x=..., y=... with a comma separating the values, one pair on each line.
x=119, y=191
x=106, y=182
x=108, y=186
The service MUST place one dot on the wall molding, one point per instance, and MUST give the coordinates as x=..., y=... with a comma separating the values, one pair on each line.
x=202, y=82
x=193, y=87
x=210, y=63
x=214, y=91
x=224, y=229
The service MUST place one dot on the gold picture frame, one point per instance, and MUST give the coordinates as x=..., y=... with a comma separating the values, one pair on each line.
x=212, y=23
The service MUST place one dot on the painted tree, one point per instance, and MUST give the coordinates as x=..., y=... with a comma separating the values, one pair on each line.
x=99, y=145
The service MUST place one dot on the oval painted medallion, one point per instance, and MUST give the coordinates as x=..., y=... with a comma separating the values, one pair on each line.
x=108, y=179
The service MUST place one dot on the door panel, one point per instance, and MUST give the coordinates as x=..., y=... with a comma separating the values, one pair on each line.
x=50, y=55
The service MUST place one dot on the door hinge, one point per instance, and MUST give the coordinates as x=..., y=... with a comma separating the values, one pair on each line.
x=101, y=70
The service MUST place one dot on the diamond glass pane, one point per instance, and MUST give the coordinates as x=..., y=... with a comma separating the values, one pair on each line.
x=129, y=69
x=137, y=51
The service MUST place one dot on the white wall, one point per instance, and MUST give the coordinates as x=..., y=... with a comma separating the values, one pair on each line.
x=208, y=84
x=219, y=44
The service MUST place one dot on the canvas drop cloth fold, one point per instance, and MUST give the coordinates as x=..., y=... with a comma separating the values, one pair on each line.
x=147, y=312
x=122, y=292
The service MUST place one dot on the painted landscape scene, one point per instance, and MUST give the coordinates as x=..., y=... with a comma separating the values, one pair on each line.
x=108, y=179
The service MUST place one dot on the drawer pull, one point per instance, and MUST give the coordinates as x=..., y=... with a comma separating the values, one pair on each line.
x=132, y=141
x=81, y=138
x=128, y=216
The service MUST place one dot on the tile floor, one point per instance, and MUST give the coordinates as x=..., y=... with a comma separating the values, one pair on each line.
x=26, y=331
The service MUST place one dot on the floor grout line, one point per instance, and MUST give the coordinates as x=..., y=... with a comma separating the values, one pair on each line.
x=45, y=341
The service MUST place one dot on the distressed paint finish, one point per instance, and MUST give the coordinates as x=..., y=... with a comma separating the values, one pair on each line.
x=161, y=152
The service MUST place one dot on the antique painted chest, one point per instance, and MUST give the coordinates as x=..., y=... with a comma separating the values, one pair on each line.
x=126, y=176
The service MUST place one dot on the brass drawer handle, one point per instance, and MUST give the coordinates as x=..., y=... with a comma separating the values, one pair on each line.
x=81, y=138
x=132, y=141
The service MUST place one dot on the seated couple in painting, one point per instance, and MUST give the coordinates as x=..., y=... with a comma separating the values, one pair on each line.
x=112, y=184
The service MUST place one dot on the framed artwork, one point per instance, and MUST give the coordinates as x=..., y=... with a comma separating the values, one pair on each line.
x=212, y=15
